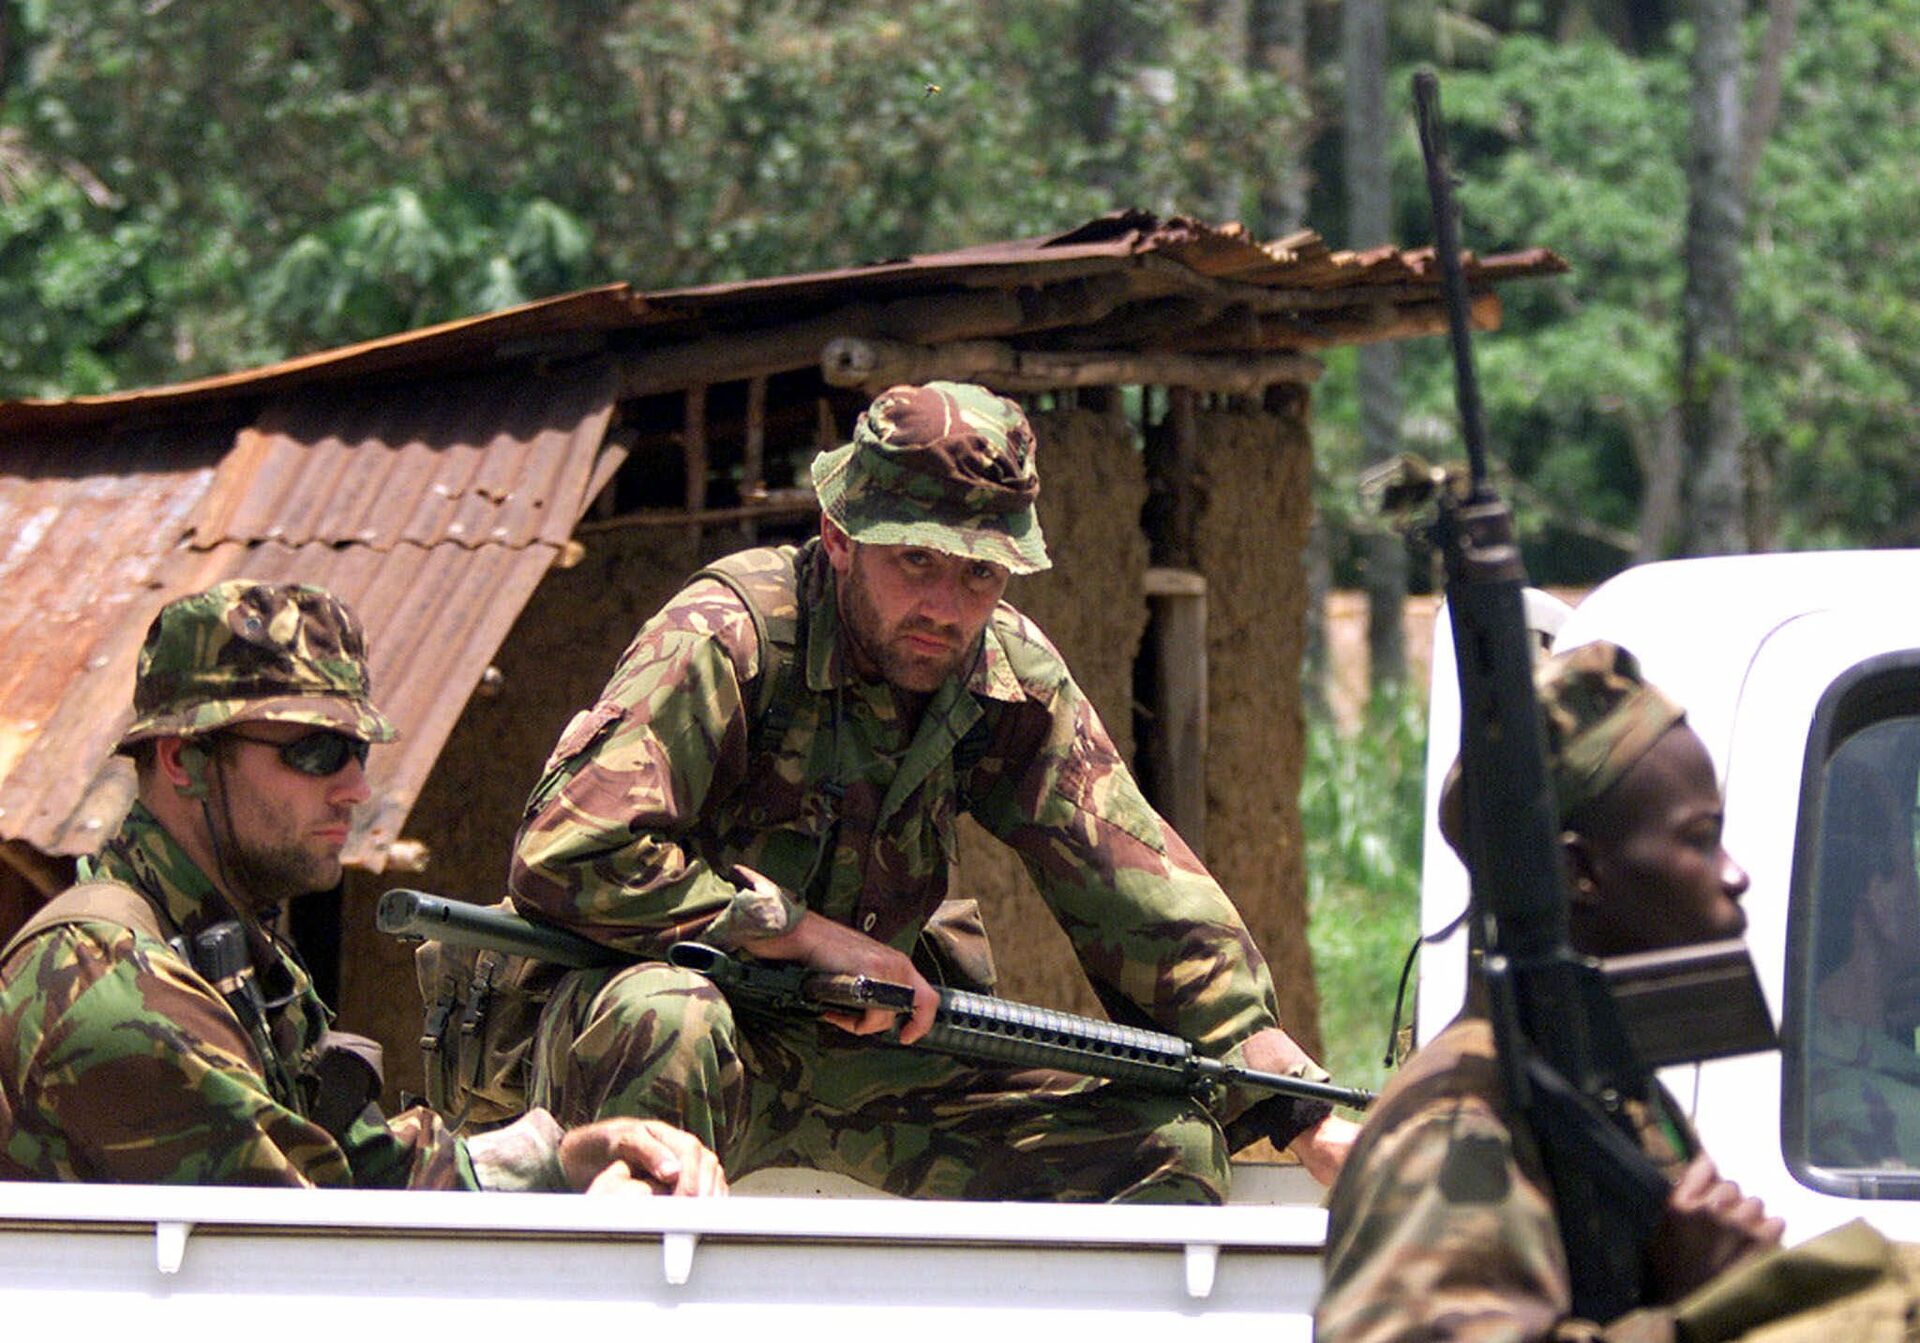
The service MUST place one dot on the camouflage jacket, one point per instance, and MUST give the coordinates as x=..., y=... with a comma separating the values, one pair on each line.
x=1862, y=1097
x=1440, y=1225
x=654, y=793
x=118, y=1062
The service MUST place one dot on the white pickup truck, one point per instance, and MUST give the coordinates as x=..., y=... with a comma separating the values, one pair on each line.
x=1798, y=670
x=1801, y=673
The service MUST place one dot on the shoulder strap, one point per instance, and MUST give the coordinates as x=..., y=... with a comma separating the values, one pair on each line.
x=767, y=582
x=91, y=902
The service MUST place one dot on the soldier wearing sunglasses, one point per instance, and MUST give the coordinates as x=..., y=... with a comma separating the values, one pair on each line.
x=155, y=1028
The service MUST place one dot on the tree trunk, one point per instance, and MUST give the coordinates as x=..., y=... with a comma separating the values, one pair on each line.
x=1227, y=21
x=1277, y=41
x=1659, y=454
x=1369, y=213
x=1711, y=428
x=1763, y=107
x=1106, y=41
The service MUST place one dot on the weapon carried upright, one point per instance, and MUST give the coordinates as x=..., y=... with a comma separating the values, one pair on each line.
x=1565, y=1060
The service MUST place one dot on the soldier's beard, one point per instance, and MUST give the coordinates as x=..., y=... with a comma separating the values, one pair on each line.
x=274, y=874
x=259, y=859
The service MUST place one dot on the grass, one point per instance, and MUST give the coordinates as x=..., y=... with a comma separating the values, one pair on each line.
x=1361, y=804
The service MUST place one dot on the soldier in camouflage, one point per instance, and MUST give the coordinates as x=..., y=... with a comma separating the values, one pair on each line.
x=1441, y=1225
x=129, y=1052
x=777, y=766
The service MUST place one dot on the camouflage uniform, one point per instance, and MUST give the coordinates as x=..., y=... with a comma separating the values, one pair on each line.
x=654, y=793
x=1441, y=1225
x=1862, y=1097
x=118, y=1060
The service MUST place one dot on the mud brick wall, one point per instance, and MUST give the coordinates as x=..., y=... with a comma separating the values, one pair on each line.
x=1091, y=604
x=1255, y=483
x=1254, y=509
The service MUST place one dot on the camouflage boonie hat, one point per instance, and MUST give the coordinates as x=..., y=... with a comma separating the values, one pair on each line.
x=948, y=466
x=1601, y=716
x=245, y=651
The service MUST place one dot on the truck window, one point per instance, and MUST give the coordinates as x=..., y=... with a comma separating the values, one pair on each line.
x=1851, y=1047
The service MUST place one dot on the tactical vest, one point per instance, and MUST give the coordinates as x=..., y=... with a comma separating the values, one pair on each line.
x=767, y=582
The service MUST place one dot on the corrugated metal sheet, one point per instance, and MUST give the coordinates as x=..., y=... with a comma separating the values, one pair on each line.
x=434, y=516
x=572, y=316
x=379, y=470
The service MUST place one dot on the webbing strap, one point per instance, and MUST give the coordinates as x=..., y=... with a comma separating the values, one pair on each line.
x=91, y=902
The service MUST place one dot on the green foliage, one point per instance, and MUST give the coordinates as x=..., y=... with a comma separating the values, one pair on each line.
x=1833, y=280
x=1579, y=145
x=311, y=174
x=192, y=187
x=401, y=261
x=1362, y=805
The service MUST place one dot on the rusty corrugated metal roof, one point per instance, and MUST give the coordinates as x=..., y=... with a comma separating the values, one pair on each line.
x=433, y=516
x=435, y=512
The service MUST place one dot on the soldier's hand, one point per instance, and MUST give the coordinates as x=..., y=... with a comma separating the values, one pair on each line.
x=821, y=944
x=1323, y=1148
x=639, y=1156
x=1707, y=1227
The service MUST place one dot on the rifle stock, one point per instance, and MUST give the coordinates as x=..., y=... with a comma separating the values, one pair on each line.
x=968, y=1026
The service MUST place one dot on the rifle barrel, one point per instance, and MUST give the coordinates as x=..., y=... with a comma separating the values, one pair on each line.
x=406, y=913
x=1453, y=279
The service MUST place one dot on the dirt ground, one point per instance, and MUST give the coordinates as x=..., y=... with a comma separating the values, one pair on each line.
x=1347, y=660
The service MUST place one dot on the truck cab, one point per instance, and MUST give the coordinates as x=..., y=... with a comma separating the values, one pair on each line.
x=1801, y=673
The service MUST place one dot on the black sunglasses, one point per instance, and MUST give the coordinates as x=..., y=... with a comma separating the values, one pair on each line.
x=319, y=754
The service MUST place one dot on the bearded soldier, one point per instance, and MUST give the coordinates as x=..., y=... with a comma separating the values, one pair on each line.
x=777, y=766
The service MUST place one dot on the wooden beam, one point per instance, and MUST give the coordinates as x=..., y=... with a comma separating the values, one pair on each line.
x=1363, y=326
x=1158, y=275
x=1177, y=747
x=928, y=318
x=872, y=365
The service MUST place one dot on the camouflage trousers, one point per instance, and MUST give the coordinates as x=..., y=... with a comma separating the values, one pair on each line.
x=657, y=1042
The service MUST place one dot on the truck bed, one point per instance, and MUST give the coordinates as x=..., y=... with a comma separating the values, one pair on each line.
x=790, y=1252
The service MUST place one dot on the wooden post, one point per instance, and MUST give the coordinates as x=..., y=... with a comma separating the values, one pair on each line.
x=1177, y=748
x=693, y=455
x=1182, y=471
x=693, y=445
x=753, y=455
x=827, y=433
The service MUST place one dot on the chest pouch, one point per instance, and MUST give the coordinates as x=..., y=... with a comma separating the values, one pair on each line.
x=483, y=1007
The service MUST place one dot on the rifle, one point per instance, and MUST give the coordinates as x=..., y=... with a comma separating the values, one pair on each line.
x=1565, y=1059
x=970, y=1026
